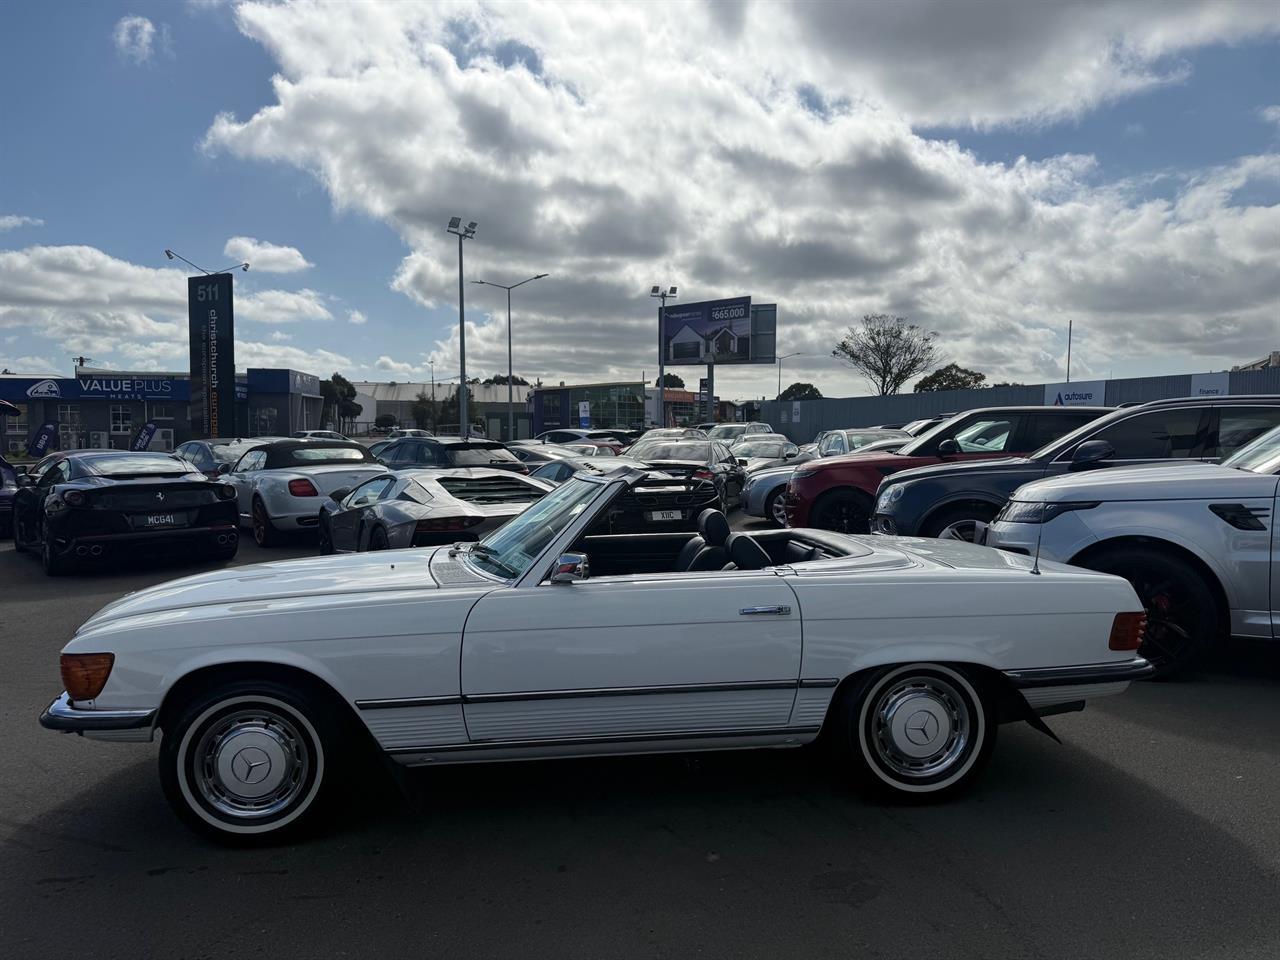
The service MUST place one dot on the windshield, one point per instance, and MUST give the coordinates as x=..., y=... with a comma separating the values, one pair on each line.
x=727, y=430
x=1261, y=456
x=477, y=455
x=327, y=454
x=759, y=448
x=136, y=465
x=509, y=550
x=671, y=450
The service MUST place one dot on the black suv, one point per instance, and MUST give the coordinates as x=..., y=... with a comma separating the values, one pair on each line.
x=957, y=500
x=448, y=452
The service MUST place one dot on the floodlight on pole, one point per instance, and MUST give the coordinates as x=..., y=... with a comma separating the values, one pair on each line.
x=511, y=410
x=780, y=359
x=462, y=233
x=171, y=255
x=662, y=295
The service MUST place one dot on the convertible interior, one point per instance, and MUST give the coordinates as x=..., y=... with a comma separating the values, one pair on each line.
x=713, y=547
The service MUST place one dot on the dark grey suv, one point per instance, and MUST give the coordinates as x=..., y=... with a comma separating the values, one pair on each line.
x=958, y=500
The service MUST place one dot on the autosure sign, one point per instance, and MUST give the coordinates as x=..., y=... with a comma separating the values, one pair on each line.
x=718, y=331
x=211, y=326
x=1079, y=393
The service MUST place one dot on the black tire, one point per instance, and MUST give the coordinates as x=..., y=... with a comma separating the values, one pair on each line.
x=219, y=742
x=1183, y=614
x=264, y=534
x=54, y=565
x=18, y=532
x=324, y=536
x=844, y=511
x=914, y=732
x=378, y=539
x=775, y=507
x=958, y=523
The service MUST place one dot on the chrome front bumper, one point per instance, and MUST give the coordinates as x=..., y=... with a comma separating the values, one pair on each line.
x=65, y=717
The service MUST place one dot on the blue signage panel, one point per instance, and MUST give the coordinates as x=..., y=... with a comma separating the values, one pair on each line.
x=38, y=446
x=211, y=328
x=283, y=381
x=104, y=387
x=143, y=440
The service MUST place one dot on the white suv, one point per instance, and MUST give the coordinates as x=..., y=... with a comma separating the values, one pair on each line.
x=1196, y=541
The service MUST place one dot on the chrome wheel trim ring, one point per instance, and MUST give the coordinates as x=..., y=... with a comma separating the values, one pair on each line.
x=960, y=530
x=916, y=728
x=780, y=509
x=237, y=743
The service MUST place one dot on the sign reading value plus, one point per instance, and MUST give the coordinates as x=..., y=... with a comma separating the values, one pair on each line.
x=1078, y=393
x=211, y=328
x=93, y=387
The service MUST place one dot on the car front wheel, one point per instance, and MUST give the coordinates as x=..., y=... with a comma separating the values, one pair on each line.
x=248, y=761
x=916, y=731
x=959, y=523
x=775, y=508
x=844, y=511
x=264, y=534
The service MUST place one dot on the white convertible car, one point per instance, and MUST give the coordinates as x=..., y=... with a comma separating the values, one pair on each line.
x=548, y=640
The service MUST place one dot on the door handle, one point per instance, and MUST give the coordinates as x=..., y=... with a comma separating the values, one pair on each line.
x=781, y=610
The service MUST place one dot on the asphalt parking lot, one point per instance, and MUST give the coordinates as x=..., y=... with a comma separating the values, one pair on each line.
x=1151, y=831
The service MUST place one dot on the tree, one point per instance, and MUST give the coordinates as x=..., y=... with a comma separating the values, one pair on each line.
x=888, y=351
x=951, y=377
x=671, y=380
x=423, y=411
x=500, y=379
x=449, y=412
x=801, y=391
x=385, y=421
x=339, y=398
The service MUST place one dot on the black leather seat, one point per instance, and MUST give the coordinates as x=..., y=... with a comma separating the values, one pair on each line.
x=796, y=552
x=706, y=551
x=746, y=554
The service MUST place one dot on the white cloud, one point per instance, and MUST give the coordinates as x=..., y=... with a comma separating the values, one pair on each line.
x=35, y=366
x=279, y=336
x=1271, y=114
x=134, y=38
x=265, y=257
x=357, y=318
x=11, y=221
x=682, y=156
x=283, y=306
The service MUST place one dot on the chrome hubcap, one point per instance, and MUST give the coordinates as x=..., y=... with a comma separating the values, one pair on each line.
x=922, y=727
x=251, y=763
x=780, y=511
x=960, y=530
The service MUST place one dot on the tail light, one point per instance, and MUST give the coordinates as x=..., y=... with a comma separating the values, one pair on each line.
x=74, y=498
x=226, y=491
x=303, y=488
x=520, y=468
x=447, y=523
x=85, y=674
x=1127, y=631
x=702, y=473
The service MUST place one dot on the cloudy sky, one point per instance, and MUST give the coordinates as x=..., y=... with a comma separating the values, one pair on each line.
x=991, y=170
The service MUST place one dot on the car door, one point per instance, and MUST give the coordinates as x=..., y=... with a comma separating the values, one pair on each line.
x=1171, y=433
x=632, y=658
x=725, y=465
x=344, y=523
x=243, y=476
x=57, y=472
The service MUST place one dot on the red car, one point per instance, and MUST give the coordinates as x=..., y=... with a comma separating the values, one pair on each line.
x=838, y=493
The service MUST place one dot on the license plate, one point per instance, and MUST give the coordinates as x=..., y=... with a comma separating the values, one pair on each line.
x=666, y=514
x=162, y=520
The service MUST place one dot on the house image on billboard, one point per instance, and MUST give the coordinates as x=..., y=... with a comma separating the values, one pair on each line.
x=687, y=345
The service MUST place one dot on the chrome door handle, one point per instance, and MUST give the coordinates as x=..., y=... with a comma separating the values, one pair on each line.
x=778, y=611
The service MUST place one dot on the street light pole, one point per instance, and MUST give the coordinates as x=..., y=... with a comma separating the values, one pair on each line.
x=1068, y=351
x=511, y=410
x=661, y=414
x=433, y=395
x=788, y=356
x=462, y=233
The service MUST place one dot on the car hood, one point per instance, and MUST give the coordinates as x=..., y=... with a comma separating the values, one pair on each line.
x=375, y=572
x=770, y=473
x=960, y=468
x=1185, y=481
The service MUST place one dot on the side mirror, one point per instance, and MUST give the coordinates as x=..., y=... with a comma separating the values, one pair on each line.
x=24, y=480
x=948, y=447
x=20, y=469
x=791, y=455
x=1090, y=452
x=571, y=567
x=224, y=469
x=742, y=461
x=337, y=496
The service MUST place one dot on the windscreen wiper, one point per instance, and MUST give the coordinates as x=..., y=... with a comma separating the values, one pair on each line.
x=490, y=554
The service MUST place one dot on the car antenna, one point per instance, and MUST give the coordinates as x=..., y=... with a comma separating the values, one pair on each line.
x=1035, y=565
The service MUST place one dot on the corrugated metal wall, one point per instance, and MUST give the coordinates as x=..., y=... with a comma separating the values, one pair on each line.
x=832, y=414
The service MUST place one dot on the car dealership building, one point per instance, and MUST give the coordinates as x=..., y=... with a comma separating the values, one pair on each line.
x=98, y=408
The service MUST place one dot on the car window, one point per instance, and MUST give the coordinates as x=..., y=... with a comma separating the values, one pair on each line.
x=253, y=460
x=136, y=465
x=368, y=492
x=53, y=474
x=1240, y=426
x=1158, y=435
x=986, y=435
x=1261, y=456
x=1043, y=429
x=478, y=454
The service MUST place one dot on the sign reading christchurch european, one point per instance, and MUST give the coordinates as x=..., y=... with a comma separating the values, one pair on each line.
x=213, y=366
x=718, y=331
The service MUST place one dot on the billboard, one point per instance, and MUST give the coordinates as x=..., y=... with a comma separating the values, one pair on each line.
x=213, y=366
x=93, y=387
x=1210, y=384
x=718, y=331
x=1078, y=393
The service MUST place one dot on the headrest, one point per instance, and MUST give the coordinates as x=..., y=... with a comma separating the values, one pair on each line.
x=714, y=527
x=746, y=553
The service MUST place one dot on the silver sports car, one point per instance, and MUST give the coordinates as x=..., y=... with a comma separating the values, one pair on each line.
x=416, y=508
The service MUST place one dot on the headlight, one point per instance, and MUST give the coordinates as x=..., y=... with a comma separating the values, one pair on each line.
x=1028, y=511
x=890, y=496
x=803, y=474
x=226, y=491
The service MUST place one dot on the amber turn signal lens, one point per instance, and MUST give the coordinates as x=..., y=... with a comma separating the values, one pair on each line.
x=85, y=674
x=1127, y=631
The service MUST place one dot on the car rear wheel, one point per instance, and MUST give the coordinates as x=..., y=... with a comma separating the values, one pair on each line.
x=19, y=534
x=844, y=511
x=264, y=534
x=325, y=537
x=959, y=523
x=775, y=507
x=1183, y=615
x=53, y=564
x=378, y=539
x=916, y=731
x=249, y=761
